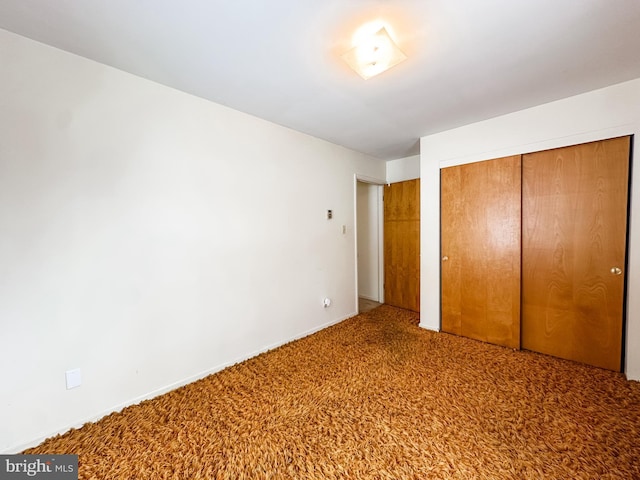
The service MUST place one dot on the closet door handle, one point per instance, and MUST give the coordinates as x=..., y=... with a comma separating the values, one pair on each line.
x=445, y=258
x=616, y=271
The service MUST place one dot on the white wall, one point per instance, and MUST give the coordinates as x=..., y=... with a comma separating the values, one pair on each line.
x=368, y=213
x=596, y=115
x=402, y=169
x=149, y=237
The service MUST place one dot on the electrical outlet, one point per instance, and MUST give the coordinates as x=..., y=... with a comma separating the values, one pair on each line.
x=74, y=378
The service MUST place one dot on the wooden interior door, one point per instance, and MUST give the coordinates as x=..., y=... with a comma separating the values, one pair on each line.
x=480, y=242
x=402, y=245
x=575, y=202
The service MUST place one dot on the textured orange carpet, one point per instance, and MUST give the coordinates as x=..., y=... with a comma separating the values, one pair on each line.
x=375, y=397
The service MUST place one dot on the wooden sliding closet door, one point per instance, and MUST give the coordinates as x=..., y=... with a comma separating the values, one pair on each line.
x=402, y=244
x=574, y=251
x=480, y=241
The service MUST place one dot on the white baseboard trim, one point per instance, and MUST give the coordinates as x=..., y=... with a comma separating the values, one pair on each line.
x=428, y=327
x=368, y=297
x=172, y=386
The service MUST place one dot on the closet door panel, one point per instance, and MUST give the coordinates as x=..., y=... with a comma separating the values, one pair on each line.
x=480, y=238
x=402, y=244
x=453, y=247
x=574, y=233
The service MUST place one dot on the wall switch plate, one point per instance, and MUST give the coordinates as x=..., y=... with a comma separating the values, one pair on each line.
x=74, y=378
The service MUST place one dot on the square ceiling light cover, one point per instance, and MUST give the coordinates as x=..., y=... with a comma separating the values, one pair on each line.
x=374, y=54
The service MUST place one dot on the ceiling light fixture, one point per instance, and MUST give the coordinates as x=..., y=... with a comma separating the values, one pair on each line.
x=373, y=54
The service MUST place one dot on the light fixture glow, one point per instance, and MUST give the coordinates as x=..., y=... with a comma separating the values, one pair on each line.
x=374, y=54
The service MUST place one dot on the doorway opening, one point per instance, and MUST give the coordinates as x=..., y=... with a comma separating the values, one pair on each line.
x=369, y=242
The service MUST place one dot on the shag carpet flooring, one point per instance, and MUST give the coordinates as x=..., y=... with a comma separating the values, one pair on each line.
x=375, y=397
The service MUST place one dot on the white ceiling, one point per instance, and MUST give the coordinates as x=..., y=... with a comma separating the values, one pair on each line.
x=469, y=60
